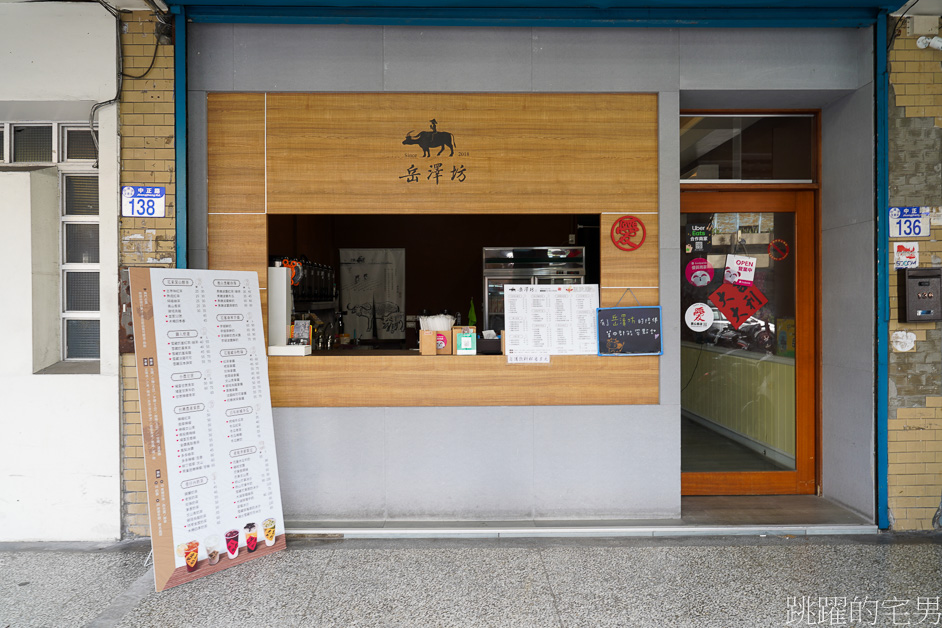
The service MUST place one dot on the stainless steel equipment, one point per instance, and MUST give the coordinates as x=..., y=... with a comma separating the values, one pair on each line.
x=526, y=265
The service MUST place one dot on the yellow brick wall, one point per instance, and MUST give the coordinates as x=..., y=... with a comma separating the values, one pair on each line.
x=916, y=77
x=915, y=420
x=915, y=471
x=147, y=157
x=915, y=404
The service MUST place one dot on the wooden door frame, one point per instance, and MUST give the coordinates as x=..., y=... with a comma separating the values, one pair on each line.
x=803, y=480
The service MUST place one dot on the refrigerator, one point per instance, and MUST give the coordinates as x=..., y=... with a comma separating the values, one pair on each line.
x=526, y=265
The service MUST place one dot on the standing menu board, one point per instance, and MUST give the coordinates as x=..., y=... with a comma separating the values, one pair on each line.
x=630, y=331
x=214, y=499
x=550, y=319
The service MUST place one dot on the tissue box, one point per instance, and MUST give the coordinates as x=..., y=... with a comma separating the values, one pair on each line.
x=427, y=340
x=464, y=340
x=490, y=346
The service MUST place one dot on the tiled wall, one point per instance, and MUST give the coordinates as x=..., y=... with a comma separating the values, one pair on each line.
x=916, y=79
x=915, y=399
x=147, y=158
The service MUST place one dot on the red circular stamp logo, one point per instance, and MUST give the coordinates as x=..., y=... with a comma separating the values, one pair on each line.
x=625, y=233
x=778, y=249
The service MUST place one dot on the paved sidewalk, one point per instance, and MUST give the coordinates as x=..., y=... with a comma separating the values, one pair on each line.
x=634, y=582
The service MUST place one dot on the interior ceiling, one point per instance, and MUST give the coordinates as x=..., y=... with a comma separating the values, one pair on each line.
x=697, y=140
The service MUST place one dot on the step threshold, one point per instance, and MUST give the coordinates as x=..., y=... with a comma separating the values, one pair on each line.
x=480, y=531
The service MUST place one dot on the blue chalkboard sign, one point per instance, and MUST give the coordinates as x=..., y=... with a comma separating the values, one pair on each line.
x=630, y=330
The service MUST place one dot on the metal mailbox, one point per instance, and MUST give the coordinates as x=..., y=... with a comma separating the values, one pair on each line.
x=920, y=295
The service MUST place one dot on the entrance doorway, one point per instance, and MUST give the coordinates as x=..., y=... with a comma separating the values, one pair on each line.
x=748, y=376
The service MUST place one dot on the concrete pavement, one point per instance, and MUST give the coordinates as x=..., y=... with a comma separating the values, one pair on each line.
x=882, y=580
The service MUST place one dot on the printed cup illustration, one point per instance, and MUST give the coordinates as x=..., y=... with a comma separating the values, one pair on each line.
x=269, y=528
x=232, y=543
x=189, y=551
x=212, y=549
x=251, y=537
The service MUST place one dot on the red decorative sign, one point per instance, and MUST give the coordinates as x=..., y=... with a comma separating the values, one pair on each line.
x=778, y=249
x=738, y=303
x=625, y=233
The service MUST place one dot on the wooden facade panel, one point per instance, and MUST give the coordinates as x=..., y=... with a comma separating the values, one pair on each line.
x=638, y=267
x=239, y=242
x=513, y=153
x=746, y=200
x=619, y=297
x=235, y=146
x=481, y=380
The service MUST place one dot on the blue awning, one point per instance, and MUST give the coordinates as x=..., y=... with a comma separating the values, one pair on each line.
x=623, y=13
x=494, y=5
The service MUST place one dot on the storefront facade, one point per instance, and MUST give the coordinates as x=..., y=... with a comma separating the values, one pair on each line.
x=387, y=439
x=385, y=455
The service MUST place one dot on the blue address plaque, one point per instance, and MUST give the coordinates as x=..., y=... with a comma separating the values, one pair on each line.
x=909, y=222
x=143, y=201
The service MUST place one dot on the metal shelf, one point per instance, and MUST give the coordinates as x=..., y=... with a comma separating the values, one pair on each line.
x=315, y=306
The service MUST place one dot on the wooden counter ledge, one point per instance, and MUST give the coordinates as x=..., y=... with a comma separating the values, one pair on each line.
x=344, y=379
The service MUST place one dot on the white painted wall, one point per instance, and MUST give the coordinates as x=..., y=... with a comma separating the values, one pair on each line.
x=56, y=51
x=60, y=455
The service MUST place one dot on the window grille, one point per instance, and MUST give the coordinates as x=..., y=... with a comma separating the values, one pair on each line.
x=81, y=292
x=32, y=144
x=81, y=195
x=71, y=148
x=79, y=144
x=81, y=243
x=82, y=339
x=80, y=269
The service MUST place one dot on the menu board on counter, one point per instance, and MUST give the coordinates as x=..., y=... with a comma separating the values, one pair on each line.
x=214, y=499
x=550, y=319
x=630, y=331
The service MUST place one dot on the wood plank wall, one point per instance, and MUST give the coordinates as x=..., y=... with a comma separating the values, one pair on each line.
x=513, y=153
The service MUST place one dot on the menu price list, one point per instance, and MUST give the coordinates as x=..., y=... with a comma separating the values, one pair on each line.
x=551, y=319
x=218, y=439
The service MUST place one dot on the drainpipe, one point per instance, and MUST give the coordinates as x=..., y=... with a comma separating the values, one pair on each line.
x=883, y=279
x=179, y=109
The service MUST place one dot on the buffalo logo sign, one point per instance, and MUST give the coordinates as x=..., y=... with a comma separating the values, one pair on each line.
x=434, y=138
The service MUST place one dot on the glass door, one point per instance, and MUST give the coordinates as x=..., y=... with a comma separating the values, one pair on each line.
x=747, y=343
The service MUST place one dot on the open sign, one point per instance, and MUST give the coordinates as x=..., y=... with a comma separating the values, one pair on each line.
x=740, y=270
